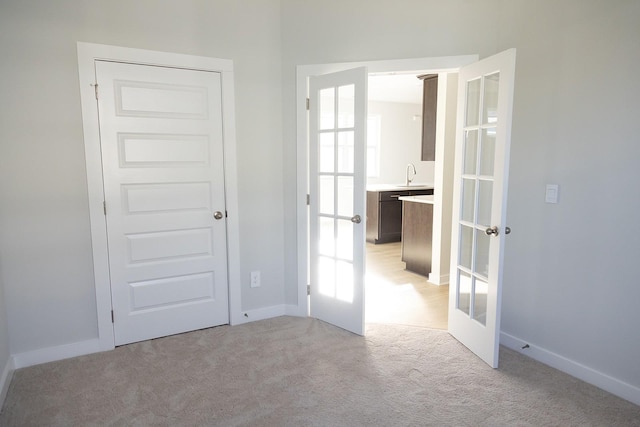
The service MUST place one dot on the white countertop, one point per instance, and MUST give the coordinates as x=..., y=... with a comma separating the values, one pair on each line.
x=417, y=199
x=401, y=187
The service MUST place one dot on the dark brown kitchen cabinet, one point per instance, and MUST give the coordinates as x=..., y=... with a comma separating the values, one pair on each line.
x=384, y=214
x=429, y=108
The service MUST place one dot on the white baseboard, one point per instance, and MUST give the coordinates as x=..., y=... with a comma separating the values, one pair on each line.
x=261, y=314
x=586, y=374
x=51, y=354
x=439, y=280
x=5, y=380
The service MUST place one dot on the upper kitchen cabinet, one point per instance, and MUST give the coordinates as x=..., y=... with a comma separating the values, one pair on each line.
x=429, y=107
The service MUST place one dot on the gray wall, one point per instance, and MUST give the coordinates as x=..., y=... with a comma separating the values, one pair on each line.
x=44, y=223
x=569, y=282
x=4, y=331
x=400, y=143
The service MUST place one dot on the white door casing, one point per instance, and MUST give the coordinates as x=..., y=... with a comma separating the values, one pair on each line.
x=337, y=123
x=485, y=99
x=88, y=54
x=162, y=156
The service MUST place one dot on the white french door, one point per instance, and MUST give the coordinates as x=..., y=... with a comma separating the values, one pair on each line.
x=337, y=127
x=163, y=173
x=485, y=98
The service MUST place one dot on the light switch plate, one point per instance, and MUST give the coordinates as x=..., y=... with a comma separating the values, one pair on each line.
x=551, y=193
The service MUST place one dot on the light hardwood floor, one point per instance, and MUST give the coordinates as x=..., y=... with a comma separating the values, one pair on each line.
x=395, y=295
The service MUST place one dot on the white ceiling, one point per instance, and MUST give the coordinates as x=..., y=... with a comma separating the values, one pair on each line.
x=405, y=88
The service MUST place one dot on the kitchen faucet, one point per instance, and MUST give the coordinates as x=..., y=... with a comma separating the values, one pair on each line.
x=409, y=167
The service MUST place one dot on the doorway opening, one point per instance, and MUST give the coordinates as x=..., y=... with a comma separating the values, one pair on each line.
x=304, y=75
x=480, y=170
x=398, y=292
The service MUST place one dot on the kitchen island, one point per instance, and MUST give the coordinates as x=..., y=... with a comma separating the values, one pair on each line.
x=417, y=232
x=384, y=210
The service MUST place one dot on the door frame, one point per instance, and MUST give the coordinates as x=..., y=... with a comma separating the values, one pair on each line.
x=88, y=53
x=303, y=72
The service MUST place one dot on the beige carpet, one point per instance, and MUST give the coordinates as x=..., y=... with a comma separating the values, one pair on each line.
x=302, y=372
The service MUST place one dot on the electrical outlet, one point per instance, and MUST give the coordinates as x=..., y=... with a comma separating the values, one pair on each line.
x=255, y=279
x=551, y=193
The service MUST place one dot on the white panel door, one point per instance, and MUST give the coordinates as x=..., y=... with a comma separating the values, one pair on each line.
x=485, y=98
x=162, y=154
x=337, y=126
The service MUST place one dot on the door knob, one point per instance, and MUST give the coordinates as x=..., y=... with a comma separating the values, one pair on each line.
x=217, y=215
x=492, y=231
x=356, y=219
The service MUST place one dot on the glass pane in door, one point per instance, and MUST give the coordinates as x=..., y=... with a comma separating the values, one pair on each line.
x=327, y=99
x=473, y=102
x=464, y=292
x=488, y=151
x=326, y=152
x=466, y=246
x=485, y=197
x=326, y=236
x=480, y=292
x=345, y=151
x=345, y=196
x=327, y=276
x=326, y=194
x=490, y=99
x=346, y=106
x=468, y=199
x=470, y=152
x=344, y=241
x=481, y=264
x=344, y=288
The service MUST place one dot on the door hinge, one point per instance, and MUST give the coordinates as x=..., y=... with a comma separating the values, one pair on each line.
x=112, y=318
x=95, y=88
x=104, y=207
x=308, y=289
x=308, y=101
x=308, y=199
